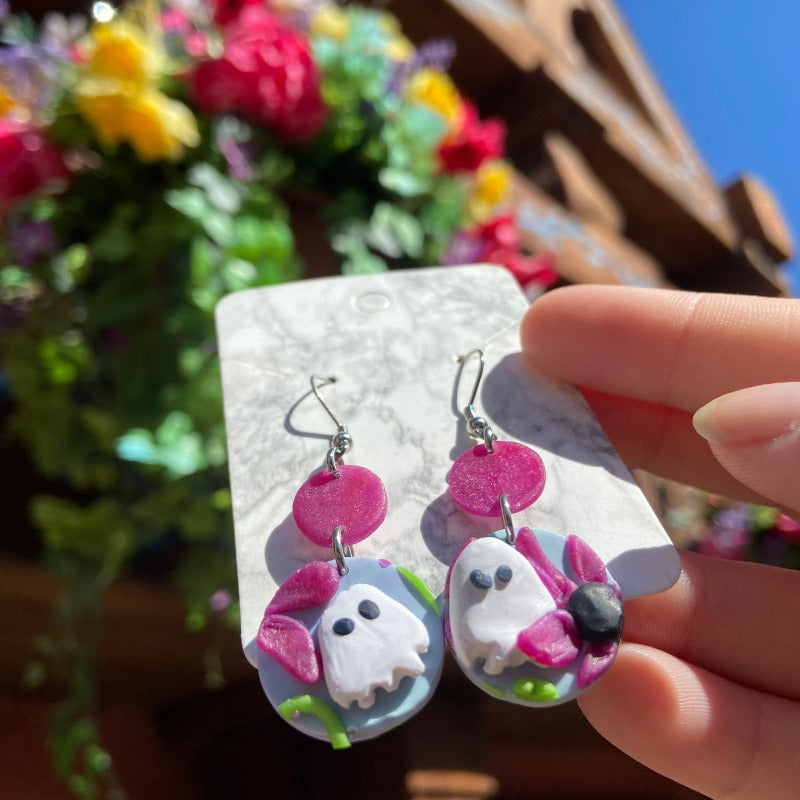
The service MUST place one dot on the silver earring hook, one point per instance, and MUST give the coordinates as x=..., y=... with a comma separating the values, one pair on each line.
x=341, y=441
x=323, y=380
x=478, y=427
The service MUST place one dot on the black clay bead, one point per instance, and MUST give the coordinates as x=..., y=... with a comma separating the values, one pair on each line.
x=369, y=609
x=503, y=573
x=597, y=612
x=343, y=626
x=480, y=579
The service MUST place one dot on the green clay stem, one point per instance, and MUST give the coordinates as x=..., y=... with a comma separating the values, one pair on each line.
x=423, y=590
x=306, y=704
x=493, y=690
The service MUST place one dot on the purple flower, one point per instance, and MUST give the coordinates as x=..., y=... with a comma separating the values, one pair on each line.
x=436, y=53
x=732, y=518
x=31, y=239
x=220, y=600
x=464, y=249
x=240, y=157
x=725, y=542
x=60, y=33
x=30, y=71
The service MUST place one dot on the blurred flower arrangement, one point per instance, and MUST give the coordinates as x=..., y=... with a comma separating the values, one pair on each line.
x=715, y=526
x=148, y=163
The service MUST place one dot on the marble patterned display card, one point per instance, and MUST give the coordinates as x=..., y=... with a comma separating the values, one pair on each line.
x=391, y=340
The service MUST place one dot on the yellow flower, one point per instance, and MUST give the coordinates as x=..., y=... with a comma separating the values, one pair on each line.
x=399, y=49
x=491, y=188
x=104, y=107
x=159, y=128
x=434, y=89
x=330, y=21
x=120, y=50
x=154, y=125
x=117, y=96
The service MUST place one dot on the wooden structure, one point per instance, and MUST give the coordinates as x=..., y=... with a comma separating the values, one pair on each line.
x=607, y=178
x=608, y=181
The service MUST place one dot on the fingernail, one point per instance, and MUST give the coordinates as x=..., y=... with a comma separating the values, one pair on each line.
x=755, y=414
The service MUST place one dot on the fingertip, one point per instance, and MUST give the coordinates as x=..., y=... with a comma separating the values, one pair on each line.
x=679, y=720
x=614, y=705
x=546, y=320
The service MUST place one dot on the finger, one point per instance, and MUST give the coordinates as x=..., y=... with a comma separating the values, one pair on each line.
x=673, y=348
x=663, y=441
x=735, y=619
x=755, y=436
x=701, y=730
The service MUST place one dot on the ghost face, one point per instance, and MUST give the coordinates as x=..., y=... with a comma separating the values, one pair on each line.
x=494, y=594
x=368, y=641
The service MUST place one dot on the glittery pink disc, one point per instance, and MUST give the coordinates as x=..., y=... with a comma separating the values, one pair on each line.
x=478, y=478
x=356, y=500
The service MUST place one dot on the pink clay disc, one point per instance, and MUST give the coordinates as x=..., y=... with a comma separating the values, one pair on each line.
x=356, y=500
x=477, y=478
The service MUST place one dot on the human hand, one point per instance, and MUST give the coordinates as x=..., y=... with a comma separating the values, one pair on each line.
x=706, y=686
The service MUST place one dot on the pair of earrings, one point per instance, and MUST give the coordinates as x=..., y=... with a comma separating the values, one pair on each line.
x=352, y=647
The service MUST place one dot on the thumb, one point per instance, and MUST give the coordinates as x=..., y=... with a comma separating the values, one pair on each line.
x=755, y=434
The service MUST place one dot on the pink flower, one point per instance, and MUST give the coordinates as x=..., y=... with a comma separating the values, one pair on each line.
x=196, y=44
x=28, y=163
x=474, y=142
x=226, y=11
x=788, y=528
x=267, y=74
x=175, y=20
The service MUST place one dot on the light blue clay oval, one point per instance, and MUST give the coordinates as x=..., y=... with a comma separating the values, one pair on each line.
x=390, y=708
x=529, y=684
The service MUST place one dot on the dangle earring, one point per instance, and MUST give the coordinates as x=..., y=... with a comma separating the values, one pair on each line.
x=352, y=647
x=531, y=616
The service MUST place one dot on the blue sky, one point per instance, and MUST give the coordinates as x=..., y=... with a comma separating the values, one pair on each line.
x=731, y=69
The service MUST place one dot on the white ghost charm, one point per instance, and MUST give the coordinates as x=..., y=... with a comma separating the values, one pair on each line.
x=494, y=593
x=368, y=641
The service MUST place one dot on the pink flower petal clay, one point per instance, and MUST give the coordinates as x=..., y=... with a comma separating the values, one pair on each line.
x=477, y=478
x=356, y=501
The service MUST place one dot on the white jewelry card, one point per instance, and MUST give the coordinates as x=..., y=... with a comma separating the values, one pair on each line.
x=391, y=340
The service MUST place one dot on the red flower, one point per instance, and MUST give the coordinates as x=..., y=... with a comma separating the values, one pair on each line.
x=28, y=163
x=497, y=242
x=526, y=269
x=266, y=73
x=474, y=143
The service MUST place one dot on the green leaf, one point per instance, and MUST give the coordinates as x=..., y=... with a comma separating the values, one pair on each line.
x=403, y=182
x=137, y=445
x=253, y=239
x=362, y=262
x=97, y=759
x=190, y=202
x=222, y=193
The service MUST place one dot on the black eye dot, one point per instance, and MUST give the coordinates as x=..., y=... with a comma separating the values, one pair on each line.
x=368, y=609
x=480, y=579
x=343, y=626
x=503, y=573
